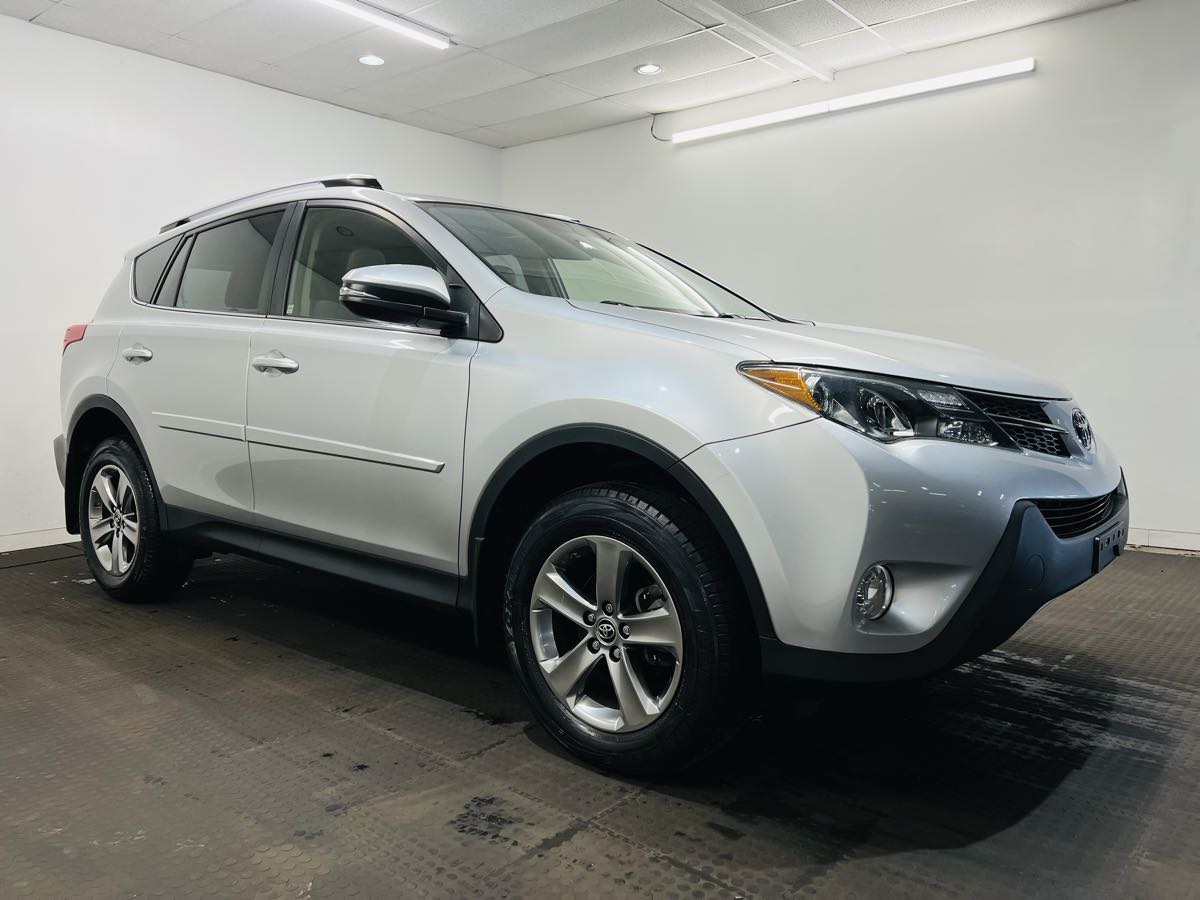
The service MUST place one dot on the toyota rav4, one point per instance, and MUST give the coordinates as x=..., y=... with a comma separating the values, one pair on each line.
x=649, y=488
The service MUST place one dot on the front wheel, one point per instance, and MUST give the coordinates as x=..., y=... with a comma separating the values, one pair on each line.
x=122, y=537
x=626, y=629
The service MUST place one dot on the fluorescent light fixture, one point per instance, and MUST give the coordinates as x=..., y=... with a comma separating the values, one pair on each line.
x=851, y=101
x=649, y=69
x=371, y=60
x=386, y=20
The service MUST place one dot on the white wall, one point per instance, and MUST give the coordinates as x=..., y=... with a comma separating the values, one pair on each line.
x=99, y=146
x=1053, y=220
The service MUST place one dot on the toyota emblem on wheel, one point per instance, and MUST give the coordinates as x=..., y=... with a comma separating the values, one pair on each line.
x=1083, y=429
x=606, y=631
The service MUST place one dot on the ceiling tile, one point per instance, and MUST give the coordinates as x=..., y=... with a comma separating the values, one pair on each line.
x=293, y=82
x=680, y=58
x=203, y=57
x=271, y=30
x=479, y=24
x=689, y=9
x=746, y=7
x=167, y=16
x=514, y=102
x=848, y=50
x=977, y=18
x=472, y=73
x=337, y=62
x=431, y=121
x=100, y=26
x=803, y=21
x=733, y=81
x=491, y=137
x=742, y=40
x=617, y=28
x=24, y=9
x=399, y=7
x=369, y=103
x=570, y=119
x=872, y=12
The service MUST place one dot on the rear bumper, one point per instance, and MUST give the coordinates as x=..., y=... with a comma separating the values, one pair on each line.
x=1029, y=568
x=60, y=458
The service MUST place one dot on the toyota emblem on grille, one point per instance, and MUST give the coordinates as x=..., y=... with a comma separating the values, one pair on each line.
x=1083, y=429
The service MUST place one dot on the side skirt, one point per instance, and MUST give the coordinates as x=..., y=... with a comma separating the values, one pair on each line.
x=427, y=587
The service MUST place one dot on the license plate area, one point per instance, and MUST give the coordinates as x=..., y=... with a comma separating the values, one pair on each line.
x=1108, y=546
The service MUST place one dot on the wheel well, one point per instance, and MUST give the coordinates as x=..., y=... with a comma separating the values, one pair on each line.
x=94, y=426
x=547, y=475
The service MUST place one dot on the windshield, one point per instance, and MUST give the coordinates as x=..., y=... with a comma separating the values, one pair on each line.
x=557, y=258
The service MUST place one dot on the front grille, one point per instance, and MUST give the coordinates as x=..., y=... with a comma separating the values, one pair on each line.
x=1071, y=518
x=1036, y=440
x=1019, y=418
x=1010, y=407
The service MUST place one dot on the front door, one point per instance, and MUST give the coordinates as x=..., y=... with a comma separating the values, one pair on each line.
x=355, y=427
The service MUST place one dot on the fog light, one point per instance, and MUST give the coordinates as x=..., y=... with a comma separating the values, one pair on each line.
x=873, y=596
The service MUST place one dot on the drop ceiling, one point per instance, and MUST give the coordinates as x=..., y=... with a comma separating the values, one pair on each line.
x=527, y=70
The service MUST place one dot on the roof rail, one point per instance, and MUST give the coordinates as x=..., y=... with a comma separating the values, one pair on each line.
x=368, y=181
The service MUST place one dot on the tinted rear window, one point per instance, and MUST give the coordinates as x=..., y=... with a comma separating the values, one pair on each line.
x=148, y=269
x=226, y=270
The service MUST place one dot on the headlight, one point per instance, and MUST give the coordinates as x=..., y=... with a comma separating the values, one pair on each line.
x=880, y=406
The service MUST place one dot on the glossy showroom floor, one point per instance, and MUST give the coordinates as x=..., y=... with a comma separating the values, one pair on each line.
x=276, y=734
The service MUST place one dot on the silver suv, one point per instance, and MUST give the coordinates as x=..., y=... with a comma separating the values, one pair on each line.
x=651, y=489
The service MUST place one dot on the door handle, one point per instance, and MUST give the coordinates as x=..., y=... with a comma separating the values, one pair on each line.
x=275, y=361
x=137, y=353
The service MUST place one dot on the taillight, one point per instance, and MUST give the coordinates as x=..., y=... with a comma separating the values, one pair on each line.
x=74, y=333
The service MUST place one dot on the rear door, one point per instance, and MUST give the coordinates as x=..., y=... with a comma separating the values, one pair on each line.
x=355, y=427
x=181, y=365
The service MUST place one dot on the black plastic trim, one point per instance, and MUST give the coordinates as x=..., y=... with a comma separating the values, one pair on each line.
x=1029, y=568
x=698, y=492
x=416, y=583
x=103, y=401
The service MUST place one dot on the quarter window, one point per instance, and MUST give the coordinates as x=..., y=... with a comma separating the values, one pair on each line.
x=334, y=240
x=226, y=268
x=148, y=269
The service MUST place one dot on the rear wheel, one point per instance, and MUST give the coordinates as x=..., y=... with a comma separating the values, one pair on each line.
x=121, y=534
x=626, y=630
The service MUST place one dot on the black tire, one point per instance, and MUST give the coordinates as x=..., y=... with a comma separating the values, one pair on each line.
x=158, y=567
x=719, y=663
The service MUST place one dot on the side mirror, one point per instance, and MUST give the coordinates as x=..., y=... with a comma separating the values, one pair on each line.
x=409, y=294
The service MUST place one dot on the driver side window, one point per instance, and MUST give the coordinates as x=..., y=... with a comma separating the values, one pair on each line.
x=333, y=241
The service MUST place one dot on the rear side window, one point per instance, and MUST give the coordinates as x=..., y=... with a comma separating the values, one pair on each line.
x=226, y=267
x=148, y=269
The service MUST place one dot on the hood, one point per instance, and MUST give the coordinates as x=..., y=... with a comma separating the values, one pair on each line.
x=864, y=349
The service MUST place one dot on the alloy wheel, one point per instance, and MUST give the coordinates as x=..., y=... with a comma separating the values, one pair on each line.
x=113, y=519
x=606, y=633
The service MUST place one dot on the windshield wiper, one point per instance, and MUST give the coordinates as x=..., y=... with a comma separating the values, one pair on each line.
x=684, y=312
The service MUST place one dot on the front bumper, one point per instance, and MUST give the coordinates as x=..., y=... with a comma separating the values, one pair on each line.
x=1030, y=567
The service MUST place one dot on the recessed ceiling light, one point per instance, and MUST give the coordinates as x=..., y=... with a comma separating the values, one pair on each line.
x=648, y=69
x=371, y=60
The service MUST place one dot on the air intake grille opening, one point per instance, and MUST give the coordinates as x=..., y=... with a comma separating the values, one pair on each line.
x=1019, y=418
x=1036, y=439
x=1071, y=518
